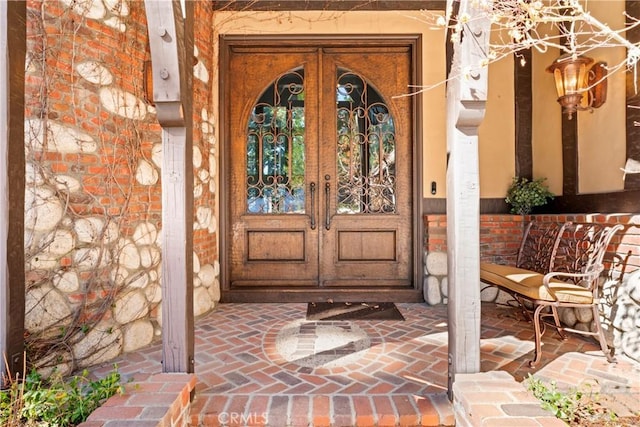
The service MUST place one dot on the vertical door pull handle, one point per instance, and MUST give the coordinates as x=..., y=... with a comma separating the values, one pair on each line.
x=327, y=210
x=312, y=188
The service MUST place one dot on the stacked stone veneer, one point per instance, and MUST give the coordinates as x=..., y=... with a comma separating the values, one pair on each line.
x=500, y=237
x=93, y=194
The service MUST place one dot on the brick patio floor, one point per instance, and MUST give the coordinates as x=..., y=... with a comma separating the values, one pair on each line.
x=258, y=362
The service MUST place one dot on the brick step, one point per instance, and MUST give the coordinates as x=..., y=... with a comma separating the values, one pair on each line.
x=313, y=410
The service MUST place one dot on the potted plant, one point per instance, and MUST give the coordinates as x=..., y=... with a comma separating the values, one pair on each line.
x=523, y=195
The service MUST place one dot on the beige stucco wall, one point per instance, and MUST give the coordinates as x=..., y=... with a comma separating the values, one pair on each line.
x=602, y=134
x=497, y=132
x=546, y=121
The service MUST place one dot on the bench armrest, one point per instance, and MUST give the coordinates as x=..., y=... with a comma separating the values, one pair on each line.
x=588, y=280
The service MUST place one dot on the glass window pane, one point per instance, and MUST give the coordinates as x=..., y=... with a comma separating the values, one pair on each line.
x=365, y=148
x=276, y=148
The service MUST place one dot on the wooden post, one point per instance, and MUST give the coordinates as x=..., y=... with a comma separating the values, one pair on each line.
x=466, y=99
x=12, y=54
x=171, y=42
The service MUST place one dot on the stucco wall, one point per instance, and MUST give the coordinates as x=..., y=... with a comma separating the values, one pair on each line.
x=496, y=135
x=602, y=133
x=546, y=122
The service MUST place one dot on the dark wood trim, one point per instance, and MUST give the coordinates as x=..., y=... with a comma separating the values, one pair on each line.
x=224, y=96
x=523, y=113
x=633, y=114
x=569, y=141
x=569, y=155
x=320, y=295
x=436, y=206
x=12, y=285
x=418, y=132
x=616, y=202
x=622, y=201
x=344, y=5
x=234, y=41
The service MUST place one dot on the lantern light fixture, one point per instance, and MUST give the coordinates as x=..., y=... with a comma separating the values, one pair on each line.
x=581, y=84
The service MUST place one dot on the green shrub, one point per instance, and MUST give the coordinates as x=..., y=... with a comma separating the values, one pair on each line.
x=55, y=402
x=573, y=407
x=523, y=195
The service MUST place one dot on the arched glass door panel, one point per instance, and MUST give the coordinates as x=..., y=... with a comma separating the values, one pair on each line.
x=276, y=148
x=366, y=145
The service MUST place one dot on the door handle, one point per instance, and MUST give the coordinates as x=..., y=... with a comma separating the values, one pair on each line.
x=312, y=188
x=327, y=210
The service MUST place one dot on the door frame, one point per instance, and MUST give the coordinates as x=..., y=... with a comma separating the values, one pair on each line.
x=412, y=41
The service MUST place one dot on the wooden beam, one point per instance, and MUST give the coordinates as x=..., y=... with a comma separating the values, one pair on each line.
x=523, y=90
x=12, y=290
x=466, y=100
x=344, y=5
x=171, y=42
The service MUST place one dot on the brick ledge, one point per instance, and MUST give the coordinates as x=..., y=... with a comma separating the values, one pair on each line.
x=161, y=400
x=496, y=399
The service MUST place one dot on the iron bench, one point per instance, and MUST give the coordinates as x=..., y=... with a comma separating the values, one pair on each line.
x=558, y=265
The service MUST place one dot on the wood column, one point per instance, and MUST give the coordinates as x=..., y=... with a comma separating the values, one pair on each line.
x=12, y=52
x=171, y=42
x=466, y=100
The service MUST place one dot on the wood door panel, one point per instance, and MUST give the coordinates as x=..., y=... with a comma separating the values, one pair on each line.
x=367, y=245
x=389, y=74
x=276, y=245
x=267, y=249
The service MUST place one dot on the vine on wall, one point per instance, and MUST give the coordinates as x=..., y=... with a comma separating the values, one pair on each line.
x=93, y=196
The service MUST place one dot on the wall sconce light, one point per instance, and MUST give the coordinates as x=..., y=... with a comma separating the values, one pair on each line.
x=580, y=84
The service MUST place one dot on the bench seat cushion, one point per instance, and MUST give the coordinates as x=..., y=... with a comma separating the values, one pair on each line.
x=530, y=284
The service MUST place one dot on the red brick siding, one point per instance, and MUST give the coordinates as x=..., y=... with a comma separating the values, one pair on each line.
x=204, y=243
x=107, y=175
x=60, y=38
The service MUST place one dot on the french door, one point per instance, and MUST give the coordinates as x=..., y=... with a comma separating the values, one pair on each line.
x=319, y=171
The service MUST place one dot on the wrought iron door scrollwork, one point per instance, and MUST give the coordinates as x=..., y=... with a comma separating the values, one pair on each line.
x=366, y=148
x=276, y=148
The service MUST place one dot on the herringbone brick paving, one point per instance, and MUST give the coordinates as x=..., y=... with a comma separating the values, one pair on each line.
x=262, y=364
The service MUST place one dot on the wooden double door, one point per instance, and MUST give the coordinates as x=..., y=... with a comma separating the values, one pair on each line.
x=319, y=166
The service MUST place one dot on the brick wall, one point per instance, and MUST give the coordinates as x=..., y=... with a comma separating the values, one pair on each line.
x=499, y=236
x=93, y=182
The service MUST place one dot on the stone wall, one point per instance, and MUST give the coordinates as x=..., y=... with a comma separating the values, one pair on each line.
x=93, y=197
x=500, y=237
